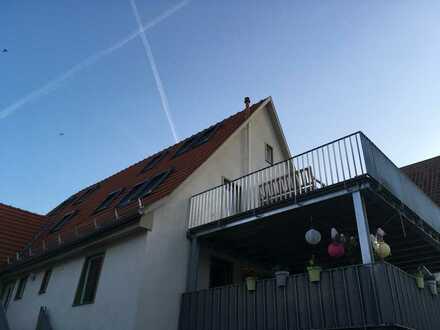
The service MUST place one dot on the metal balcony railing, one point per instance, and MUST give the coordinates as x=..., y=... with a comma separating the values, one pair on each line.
x=333, y=163
x=374, y=296
x=327, y=165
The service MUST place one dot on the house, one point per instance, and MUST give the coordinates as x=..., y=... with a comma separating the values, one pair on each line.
x=115, y=255
x=190, y=238
x=18, y=224
x=426, y=175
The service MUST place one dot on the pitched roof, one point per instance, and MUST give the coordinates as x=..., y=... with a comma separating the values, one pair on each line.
x=18, y=227
x=82, y=206
x=426, y=174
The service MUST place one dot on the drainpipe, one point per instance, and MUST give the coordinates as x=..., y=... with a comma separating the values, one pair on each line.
x=246, y=163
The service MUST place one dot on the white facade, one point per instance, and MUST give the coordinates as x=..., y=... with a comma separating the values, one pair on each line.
x=143, y=277
x=116, y=296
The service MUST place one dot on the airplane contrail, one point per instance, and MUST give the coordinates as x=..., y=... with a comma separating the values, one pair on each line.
x=159, y=84
x=56, y=82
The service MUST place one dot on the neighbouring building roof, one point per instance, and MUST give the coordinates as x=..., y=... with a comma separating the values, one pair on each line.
x=97, y=203
x=18, y=227
x=426, y=175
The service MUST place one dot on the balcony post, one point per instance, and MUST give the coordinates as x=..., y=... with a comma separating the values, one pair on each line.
x=362, y=228
x=193, y=265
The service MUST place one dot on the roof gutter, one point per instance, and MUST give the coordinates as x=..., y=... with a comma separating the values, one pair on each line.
x=130, y=224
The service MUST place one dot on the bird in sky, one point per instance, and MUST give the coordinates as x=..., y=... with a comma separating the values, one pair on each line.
x=61, y=134
x=4, y=50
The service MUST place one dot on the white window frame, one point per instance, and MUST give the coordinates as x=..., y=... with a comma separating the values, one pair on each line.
x=7, y=294
x=268, y=150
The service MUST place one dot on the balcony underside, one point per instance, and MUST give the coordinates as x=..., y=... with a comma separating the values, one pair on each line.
x=275, y=235
x=377, y=296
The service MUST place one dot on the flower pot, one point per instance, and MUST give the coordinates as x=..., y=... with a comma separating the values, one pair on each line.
x=281, y=277
x=251, y=283
x=314, y=273
x=432, y=285
x=420, y=282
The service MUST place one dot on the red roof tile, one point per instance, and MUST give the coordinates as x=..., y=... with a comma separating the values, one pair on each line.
x=426, y=174
x=182, y=166
x=18, y=227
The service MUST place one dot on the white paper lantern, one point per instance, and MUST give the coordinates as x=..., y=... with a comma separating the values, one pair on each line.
x=313, y=236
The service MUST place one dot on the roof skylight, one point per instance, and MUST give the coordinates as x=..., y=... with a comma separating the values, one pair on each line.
x=65, y=219
x=86, y=194
x=63, y=204
x=108, y=200
x=196, y=140
x=143, y=189
x=154, y=160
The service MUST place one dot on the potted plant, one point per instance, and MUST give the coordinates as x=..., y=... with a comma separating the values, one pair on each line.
x=281, y=276
x=314, y=270
x=250, y=279
x=420, y=281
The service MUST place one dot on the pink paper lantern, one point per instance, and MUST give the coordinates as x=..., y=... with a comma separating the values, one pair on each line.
x=336, y=250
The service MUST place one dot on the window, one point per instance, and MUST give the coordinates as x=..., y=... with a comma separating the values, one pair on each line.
x=205, y=135
x=185, y=147
x=86, y=194
x=108, y=200
x=67, y=217
x=21, y=287
x=63, y=205
x=88, y=282
x=45, y=281
x=269, y=154
x=154, y=160
x=7, y=294
x=196, y=140
x=143, y=189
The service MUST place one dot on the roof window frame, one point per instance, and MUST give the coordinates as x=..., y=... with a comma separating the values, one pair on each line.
x=141, y=189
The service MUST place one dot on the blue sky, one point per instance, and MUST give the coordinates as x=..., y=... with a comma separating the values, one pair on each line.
x=332, y=68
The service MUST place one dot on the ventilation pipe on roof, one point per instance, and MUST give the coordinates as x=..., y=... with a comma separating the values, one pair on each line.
x=247, y=102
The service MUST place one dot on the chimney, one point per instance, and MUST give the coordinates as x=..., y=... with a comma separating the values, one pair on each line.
x=247, y=102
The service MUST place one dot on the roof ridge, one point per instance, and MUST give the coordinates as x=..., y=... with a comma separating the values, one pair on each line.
x=23, y=210
x=252, y=107
x=421, y=161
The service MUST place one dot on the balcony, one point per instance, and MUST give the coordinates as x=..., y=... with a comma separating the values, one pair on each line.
x=260, y=220
x=339, y=164
x=374, y=296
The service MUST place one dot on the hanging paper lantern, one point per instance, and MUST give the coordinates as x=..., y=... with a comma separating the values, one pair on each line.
x=382, y=250
x=336, y=250
x=313, y=236
x=380, y=233
x=333, y=233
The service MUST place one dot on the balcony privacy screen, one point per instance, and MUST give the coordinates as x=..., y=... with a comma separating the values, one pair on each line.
x=373, y=296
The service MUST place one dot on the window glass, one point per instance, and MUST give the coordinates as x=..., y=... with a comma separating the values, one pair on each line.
x=154, y=160
x=86, y=194
x=63, y=204
x=145, y=188
x=269, y=154
x=7, y=294
x=66, y=218
x=88, y=283
x=21, y=287
x=196, y=140
x=45, y=281
x=108, y=200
